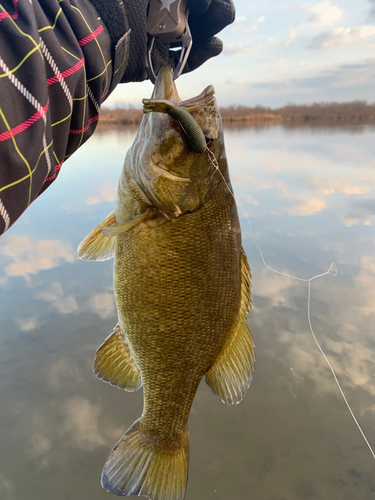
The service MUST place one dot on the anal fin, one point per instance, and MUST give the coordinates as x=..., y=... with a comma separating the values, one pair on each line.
x=97, y=246
x=114, y=364
x=232, y=372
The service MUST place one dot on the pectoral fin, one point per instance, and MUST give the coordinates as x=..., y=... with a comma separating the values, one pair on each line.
x=96, y=246
x=232, y=373
x=114, y=364
x=101, y=242
x=115, y=230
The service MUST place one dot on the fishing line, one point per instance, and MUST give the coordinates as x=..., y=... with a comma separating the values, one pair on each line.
x=332, y=271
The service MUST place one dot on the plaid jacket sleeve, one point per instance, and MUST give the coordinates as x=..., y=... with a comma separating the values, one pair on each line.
x=57, y=66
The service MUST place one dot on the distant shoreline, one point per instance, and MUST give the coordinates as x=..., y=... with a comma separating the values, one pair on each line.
x=356, y=112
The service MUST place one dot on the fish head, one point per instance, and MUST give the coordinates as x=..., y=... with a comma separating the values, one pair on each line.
x=176, y=178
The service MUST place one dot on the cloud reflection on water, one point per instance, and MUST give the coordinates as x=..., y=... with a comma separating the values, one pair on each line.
x=105, y=193
x=298, y=170
x=307, y=207
x=103, y=304
x=62, y=372
x=82, y=425
x=342, y=315
x=30, y=256
x=6, y=482
x=65, y=304
x=291, y=438
x=329, y=186
x=27, y=324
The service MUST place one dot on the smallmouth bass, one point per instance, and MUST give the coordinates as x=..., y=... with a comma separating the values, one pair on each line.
x=182, y=288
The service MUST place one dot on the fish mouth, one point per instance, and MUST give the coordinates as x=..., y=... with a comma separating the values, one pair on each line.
x=165, y=88
x=165, y=99
x=204, y=98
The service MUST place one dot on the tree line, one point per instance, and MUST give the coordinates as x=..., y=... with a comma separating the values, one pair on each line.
x=331, y=112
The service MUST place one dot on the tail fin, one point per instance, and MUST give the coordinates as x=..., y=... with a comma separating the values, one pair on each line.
x=137, y=465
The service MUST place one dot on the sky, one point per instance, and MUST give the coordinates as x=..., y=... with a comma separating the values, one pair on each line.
x=279, y=52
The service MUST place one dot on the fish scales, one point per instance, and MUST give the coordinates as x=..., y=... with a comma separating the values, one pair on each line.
x=182, y=288
x=179, y=327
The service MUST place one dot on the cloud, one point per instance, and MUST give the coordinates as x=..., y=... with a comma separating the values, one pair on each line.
x=332, y=186
x=274, y=286
x=250, y=199
x=54, y=294
x=237, y=49
x=335, y=324
x=27, y=324
x=270, y=42
x=64, y=372
x=259, y=21
x=239, y=177
x=237, y=81
x=352, y=219
x=238, y=24
x=362, y=211
x=279, y=65
x=30, y=256
x=40, y=444
x=81, y=424
x=359, y=373
x=364, y=299
x=346, y=75
x=323, y=12
x=343, y=36
x=372, y=10
x=307, y=207
x=94, y=200
x=106, y=193
x=353, y=361
x=368, y=205
x=347, y=189
x=368, y=266
x=306, y=64
x=6, y=483
x=241, y=26
x=240, y=19
x=103, y=304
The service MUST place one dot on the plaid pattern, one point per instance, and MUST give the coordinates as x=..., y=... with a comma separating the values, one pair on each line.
x=55, y=71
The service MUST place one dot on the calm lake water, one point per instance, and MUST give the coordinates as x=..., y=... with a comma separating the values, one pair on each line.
x=309, y=194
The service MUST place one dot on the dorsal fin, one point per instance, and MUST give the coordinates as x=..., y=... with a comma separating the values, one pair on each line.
x=232, y=372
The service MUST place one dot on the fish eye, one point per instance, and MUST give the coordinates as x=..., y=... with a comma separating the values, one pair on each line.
x=209, y=140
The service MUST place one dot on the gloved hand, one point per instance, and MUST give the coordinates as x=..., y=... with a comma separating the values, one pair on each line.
x=206, y=18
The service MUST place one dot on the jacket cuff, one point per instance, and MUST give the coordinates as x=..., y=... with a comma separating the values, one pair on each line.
x=114, y=18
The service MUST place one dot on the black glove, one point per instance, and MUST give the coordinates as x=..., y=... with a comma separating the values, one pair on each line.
x=206, y=18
